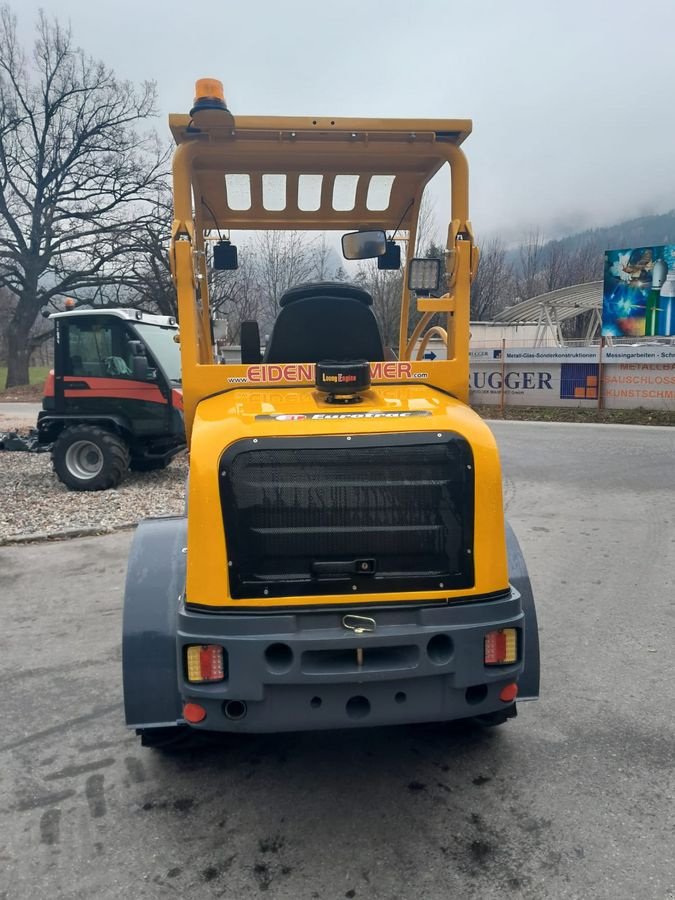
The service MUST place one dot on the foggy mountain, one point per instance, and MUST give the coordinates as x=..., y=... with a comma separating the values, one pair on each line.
x=644, y=231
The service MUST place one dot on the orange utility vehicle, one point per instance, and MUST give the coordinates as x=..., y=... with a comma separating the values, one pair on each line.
x=113, y=399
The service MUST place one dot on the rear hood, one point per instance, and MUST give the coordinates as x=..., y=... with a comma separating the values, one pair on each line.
x=286, y=412
x=245, y=421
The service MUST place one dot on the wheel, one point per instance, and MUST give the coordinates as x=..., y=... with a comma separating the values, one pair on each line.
x=168, y=739
x=148, y=465
x=499, y=717
x=87, y=458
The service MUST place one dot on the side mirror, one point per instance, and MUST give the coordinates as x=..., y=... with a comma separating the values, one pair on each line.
x=364, y=244
x=424, y=275
x=140, y=370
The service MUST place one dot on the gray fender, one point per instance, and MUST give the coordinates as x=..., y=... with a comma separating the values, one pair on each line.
x=155, y=583
x=528, y=683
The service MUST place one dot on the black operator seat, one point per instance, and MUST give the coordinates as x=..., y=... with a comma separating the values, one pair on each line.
x=325, y=320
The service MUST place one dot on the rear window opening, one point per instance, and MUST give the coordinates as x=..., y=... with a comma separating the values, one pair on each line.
x=238, y=190
x=344, y=192
x=379, y=192
x=274, y=192
x=309, y=192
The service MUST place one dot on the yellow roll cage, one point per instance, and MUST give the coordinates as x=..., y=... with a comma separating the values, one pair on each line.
x=211, y=143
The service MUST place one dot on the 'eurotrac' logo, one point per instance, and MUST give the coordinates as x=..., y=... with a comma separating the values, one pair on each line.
x=328, y=416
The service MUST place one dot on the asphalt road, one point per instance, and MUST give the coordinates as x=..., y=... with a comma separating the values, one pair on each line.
x=18, y=414
x=574, y=799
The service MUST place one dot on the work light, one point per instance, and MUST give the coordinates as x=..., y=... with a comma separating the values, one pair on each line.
x=424, y=275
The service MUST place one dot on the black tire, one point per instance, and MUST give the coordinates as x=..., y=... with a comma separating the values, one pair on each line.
x=498, y=717
x=148, y=465
x=88, y=458
x=169, y=739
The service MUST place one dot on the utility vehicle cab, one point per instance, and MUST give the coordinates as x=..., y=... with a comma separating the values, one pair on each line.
x=344, y=560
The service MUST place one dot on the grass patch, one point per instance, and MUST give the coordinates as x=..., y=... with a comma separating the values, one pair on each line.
x=26, y=392
x=579, y=414
x=36, y=374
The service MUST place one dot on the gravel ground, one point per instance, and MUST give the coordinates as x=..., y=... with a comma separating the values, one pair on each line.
x=34, y=502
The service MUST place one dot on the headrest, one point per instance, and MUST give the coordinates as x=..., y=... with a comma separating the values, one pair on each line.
x=339, y=289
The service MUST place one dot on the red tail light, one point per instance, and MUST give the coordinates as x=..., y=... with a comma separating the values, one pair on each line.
x=501, y=647
x=205, y=663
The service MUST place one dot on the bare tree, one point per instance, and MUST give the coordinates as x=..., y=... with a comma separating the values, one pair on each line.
x=149, y=275
x=427, y=225
x=385, y=288
x=492, y=287
x=76, y=176
x=7, y=304
x=555, y=266
x=586, y=262
x=529, y=281
x=323, y=259
x=283, y=259
x=237, y=296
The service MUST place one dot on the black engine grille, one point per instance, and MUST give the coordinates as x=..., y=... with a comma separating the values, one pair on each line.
x=327, y=515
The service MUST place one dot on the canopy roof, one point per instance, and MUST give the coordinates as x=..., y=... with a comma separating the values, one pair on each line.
x=315, y=174
x=551, y=309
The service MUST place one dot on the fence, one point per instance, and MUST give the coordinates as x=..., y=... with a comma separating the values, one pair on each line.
x=616, y=377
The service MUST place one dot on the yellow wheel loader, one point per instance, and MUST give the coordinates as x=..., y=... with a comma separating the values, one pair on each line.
x=344, y=559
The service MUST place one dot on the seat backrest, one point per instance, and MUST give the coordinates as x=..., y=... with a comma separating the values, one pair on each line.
x=326, y=320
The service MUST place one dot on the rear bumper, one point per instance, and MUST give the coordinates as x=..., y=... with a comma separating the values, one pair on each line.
x=297, y=671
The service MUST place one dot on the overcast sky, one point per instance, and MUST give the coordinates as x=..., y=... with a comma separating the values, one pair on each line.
x=570, y=100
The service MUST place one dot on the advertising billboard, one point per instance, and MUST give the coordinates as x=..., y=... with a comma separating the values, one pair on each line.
x=639, y=292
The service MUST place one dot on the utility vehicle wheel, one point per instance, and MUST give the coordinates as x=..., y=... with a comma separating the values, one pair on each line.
x=176, y=737
x=87, y=458
x=148, y=465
